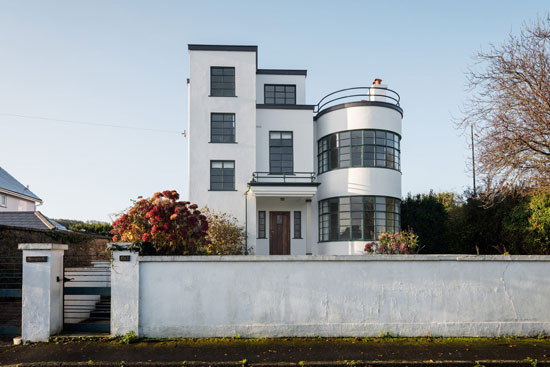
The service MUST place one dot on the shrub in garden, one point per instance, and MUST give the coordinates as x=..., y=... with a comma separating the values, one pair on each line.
x=162, y=225
x=225, y=236
x=428, y=216
x=100, y=228
x=405, y=242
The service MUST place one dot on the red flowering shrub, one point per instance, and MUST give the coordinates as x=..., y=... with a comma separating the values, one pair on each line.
x=162, y=225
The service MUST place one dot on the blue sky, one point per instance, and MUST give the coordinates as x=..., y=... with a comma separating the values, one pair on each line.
x=126, y=63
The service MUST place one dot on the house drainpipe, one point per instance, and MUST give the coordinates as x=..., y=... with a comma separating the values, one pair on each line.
x=246, y=221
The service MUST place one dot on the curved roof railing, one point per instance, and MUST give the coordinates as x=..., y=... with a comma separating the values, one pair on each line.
x=378, y=94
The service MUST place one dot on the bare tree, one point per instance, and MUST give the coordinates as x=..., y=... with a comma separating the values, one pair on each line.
x=510, y=112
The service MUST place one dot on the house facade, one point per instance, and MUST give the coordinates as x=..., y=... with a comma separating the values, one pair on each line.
x=14, y=196
x=18, y=206
x=301, y=178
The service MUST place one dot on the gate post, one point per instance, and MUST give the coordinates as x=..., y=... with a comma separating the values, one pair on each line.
x=42, y=294
x=124, y=290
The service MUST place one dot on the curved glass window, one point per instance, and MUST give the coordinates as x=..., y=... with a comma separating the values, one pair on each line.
x=358, y=218
x=359, y=148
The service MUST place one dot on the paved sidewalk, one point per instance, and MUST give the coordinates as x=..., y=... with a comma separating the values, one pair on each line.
x=294, y=351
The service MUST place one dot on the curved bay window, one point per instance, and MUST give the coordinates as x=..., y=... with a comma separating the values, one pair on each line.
x=359, y=148
x=358, y=218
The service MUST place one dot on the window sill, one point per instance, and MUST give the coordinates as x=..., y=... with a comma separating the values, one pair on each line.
x=261, y=238
x=222, y=190
x=222, y=96
x=219, y=142
x=297, y=238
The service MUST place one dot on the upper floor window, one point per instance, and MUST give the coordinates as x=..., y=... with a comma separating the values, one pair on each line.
x=359, y=148
x=222, y=81
x=222, y=175
x=222, y=128
x=279, y=94
x=3, y=200
x=281, y=158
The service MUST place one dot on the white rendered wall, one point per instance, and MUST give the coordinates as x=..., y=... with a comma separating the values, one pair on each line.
x=298, y=80
x=358, y=117
x=42, y=291
x=15, y=204
x=276, y=296
x=201, y=152
x=341, y=247
x=124, y=293
x=300, y=122
x=360, y=181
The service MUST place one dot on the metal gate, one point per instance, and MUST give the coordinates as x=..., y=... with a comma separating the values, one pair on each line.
x=11, y=280
x=87, y=294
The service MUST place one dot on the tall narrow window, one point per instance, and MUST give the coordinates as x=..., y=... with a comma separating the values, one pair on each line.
x=222, y=81
x=222, y=128
x=222, y=175
x=3, y=200
x=279, y=94
x=261, y=224
x=280, y=152
x=297, y=224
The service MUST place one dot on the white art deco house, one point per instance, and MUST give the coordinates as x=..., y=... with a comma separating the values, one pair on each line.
x=302, y=179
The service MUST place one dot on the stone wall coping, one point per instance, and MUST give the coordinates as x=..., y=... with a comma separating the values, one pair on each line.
x=343, y=258
x=42, y=246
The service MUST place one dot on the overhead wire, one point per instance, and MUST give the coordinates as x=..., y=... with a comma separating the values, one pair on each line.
x=92, y=123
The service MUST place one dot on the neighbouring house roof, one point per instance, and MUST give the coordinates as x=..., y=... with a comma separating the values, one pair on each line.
x=9, y=185
x=35, y=220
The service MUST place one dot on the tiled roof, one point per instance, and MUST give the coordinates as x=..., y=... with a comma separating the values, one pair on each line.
x=35, y=220
x=8, y=182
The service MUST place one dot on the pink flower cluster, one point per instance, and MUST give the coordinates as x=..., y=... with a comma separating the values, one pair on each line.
x=393, y=243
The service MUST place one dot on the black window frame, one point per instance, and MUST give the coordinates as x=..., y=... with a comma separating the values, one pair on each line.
x=370, y=215
x=223, y=87
x=297, y=224
x=261, y=224
x=279, y=150
x=222, y=131
x=359, y=148
x=286, y=92
x=223, y=175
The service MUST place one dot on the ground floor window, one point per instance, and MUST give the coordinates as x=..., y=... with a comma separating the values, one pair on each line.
x=360, y=218
x=261, y=224
x=297, y=224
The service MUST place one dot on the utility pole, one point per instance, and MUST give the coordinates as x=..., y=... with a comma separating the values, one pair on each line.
x=473, y=160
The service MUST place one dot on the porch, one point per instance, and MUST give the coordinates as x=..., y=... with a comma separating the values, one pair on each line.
x=279, y=219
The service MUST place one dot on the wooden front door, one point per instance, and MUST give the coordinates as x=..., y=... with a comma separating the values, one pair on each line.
x=279, y=233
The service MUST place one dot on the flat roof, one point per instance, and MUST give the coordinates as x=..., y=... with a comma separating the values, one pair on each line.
x=195, y=47
x=282, y=71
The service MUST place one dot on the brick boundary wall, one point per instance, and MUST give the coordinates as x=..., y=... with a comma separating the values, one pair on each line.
x=79, y=243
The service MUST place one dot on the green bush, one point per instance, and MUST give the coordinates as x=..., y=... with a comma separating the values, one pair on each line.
x=514, y=223
x=225, y=236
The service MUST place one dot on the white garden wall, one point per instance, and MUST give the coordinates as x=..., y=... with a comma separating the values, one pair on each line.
x=260, y=296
